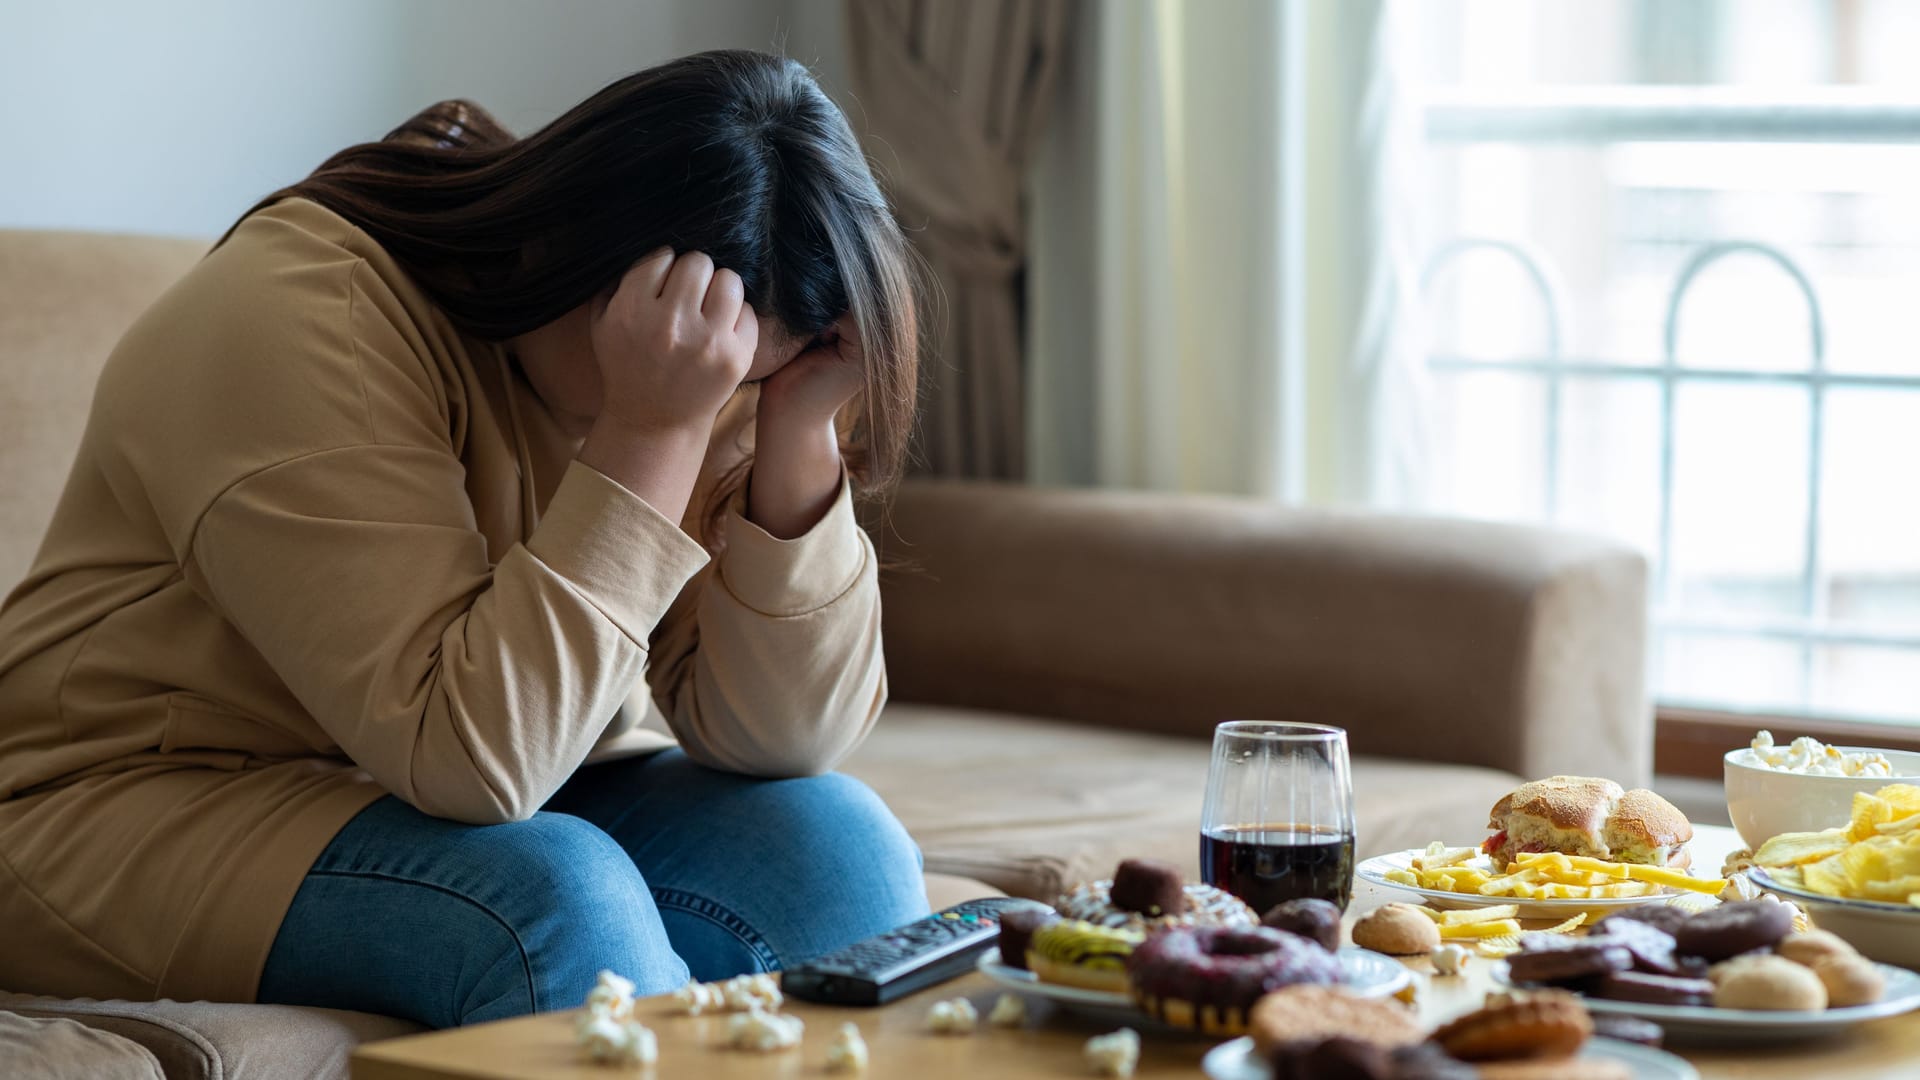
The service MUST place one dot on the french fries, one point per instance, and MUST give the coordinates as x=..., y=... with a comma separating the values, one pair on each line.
x=1547, y=875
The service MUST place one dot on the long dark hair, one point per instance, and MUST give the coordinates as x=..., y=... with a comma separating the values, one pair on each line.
x=738, y=154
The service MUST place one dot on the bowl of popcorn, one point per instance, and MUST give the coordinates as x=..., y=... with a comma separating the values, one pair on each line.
x=1804, y=785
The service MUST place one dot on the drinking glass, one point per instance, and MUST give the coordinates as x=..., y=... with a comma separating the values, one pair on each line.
x=1278, y=820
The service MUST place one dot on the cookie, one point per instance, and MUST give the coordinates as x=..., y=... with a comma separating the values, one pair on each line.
x=1314, y=1013
x=1813, y=946
x=1731, y=929
x=1556, y=1069
x=1566, y=960
x=1653, y=989
x=1652, y=947
x=1148, y=886
x=1397, y=930
x=1850, y=980
x=1549, y=1024
x=1665, y=916
x=1338, y=1058
x=1310, y=917
x=1629, y=1029
x=1770, y=983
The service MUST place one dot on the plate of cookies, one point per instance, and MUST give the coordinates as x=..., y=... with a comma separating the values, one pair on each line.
x=1742, y=969
x=1306, y=1032
x=1146, y=946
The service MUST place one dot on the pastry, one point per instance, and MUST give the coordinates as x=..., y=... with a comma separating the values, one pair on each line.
x=1767, y=982
x=1397, y=930
x=1850, y=980
x=1016, y=932
x=1205, y=906
x=1665, y=916
x=1556, y=1069
x=1548, y=1024
x=1208, y=978
x=1587, y=815
x=1629, y=1029
x=1731, y=929
x=1654, y=989
x=1310, y=917
x=1312, y=1013
x=1551, y=959
x=1148, y=886
x=1075, y=953
x=1813, y=946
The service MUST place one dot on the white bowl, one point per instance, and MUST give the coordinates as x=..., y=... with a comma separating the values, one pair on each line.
x=1766, y=802
x=1889, y=933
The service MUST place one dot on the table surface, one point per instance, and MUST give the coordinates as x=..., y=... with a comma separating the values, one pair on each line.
x=541, y=1047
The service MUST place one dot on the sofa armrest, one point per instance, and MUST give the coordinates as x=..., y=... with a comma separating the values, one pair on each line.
x=1516, y=648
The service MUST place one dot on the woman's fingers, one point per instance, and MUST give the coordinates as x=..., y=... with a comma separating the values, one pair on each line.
x=686, y=287
x=725, y=296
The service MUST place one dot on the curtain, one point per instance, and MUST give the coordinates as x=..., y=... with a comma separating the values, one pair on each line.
x=1220, y=273
x=951, y=97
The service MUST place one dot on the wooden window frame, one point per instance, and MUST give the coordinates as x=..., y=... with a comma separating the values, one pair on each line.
x=1692, y=742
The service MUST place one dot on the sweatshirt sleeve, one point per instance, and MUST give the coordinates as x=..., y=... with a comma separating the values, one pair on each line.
x=471, y=692
x=779, y=670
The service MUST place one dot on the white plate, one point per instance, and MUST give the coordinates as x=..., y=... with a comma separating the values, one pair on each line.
x=1375, y=870
x=1708, y=1022
x=1368, y=974
x=1236, y=1061
x=1886, y=932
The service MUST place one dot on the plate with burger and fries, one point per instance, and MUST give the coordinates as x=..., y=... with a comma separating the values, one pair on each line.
x=1560, y=846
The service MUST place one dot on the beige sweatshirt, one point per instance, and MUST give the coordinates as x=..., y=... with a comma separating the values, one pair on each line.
x=318, y=547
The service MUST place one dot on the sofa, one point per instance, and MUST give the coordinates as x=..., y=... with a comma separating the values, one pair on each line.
x=1058, y=661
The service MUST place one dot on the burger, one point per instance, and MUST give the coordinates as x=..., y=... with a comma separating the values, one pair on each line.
x=1586, y=815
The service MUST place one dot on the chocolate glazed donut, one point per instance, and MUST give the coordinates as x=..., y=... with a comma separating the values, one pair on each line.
x=1208, y=978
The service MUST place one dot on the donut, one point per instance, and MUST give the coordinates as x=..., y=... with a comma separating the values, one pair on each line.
x=1731, y=929
x=1310, y=917
x=1547, y=1024
x=1075, y=953
x=1341, y=1056
x=1016, y=932
x=1397, y=930
x=1207, y=978
x=1205, y=906
x=1150, y=887
x=1297, y=1014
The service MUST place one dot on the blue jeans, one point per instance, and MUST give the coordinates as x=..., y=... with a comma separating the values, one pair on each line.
x=653, y=867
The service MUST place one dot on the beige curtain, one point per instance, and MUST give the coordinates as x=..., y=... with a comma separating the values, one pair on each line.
x=950, y=94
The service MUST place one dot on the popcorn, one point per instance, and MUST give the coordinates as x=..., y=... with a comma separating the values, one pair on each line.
x=1115, y=1054
x=611, y=997
x=602, y=1037
x=1009, y=1011
x=848, y=1051
x=954, y=1017
x=697, y=997
x=744, y=992
x=1814, y=758
x=764, y=1032
x=1449, y=960
x=641, y=1047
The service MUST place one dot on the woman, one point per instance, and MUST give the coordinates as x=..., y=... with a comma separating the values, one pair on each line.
x=317, y=692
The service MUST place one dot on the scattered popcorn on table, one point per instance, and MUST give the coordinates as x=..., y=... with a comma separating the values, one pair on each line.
x=848, y=1051
x=744, y=992
x=1449, y=960
x=697, y=997
x=1115, y=1054
x=763, y=1031
x=954, y=1017
x=612, y=996
x=640, y=1048
x=607, y=1041
x=1009, y=1011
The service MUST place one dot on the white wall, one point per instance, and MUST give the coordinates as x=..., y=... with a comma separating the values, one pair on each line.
x=174, y=117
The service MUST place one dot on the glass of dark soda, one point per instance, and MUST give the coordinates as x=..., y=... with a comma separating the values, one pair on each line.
x=1278, y=820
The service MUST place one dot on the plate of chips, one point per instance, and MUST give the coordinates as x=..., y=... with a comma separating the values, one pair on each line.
x=1860, y=880
x=1542, y=885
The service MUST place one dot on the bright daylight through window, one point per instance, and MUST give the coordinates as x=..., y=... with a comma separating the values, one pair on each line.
x=1674, y=297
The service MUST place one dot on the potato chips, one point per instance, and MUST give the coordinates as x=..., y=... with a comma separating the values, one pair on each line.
x=1875, y=856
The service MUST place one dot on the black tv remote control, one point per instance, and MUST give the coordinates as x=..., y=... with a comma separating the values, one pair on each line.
x=892, y=965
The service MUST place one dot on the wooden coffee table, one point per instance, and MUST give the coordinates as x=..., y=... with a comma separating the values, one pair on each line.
x=541, y=1047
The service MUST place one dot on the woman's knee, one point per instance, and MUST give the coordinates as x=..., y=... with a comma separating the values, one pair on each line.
x=836, y=810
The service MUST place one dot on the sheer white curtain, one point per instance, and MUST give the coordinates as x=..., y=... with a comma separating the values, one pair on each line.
x=1195, y=321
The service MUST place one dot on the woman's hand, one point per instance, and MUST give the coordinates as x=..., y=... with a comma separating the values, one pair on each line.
x=796, y=463
x=672, y=343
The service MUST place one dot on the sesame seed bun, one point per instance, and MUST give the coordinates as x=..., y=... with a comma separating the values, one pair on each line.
x=1587, y=815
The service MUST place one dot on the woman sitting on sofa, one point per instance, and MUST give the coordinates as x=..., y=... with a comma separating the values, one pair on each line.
x=318, y=691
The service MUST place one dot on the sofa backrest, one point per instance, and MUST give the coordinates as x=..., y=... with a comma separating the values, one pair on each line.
x=65, y=299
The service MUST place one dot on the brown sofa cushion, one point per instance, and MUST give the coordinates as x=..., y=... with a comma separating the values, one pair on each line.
x=1033, y=806
x=55, y=1048
x=200, y=1040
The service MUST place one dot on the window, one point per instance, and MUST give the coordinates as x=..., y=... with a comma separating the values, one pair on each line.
x=1676, y=299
